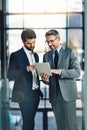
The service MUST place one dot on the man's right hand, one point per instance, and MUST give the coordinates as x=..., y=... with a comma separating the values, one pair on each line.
x=30, y=68
x=45, y=76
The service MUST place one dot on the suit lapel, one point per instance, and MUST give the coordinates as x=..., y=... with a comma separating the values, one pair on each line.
x=61, y=55
x=24, y=57
x=50, y=59
x=36, y=57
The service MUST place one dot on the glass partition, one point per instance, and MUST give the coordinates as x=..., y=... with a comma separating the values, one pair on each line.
x=64, y=15
x=0, y=45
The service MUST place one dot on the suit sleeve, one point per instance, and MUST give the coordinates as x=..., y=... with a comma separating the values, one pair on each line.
x=14, y=71
x=73, y=68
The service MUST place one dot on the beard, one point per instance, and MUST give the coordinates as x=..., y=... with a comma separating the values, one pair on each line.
x=30, y=48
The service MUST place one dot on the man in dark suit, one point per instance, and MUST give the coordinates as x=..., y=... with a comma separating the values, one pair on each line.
x=26, y=90
x=62, y=85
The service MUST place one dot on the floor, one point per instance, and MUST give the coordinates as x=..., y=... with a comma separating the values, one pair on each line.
x=16, y=121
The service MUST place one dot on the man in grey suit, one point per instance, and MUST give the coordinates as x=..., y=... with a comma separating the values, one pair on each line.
x=26, y=90
x=65, y=69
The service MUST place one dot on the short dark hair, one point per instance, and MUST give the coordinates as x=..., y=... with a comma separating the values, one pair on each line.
x=52, y=32
x=28, y=34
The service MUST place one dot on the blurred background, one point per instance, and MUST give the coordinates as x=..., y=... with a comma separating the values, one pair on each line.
x=66, y=16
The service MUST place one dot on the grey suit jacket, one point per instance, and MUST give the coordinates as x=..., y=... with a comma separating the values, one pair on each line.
x=70, y=70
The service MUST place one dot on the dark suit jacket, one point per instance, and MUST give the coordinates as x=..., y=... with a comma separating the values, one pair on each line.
x=70, y=70
x=22, y=89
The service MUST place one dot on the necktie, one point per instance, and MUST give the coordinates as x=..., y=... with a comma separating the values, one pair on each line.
x=56, y=57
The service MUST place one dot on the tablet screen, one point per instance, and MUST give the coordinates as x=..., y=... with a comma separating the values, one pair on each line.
x=43, y=67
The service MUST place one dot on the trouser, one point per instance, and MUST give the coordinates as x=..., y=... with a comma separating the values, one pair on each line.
x=28, y=111
x=65, y=114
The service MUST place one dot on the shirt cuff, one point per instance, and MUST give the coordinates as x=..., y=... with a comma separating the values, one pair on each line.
x=59, y=72
x=27, y=69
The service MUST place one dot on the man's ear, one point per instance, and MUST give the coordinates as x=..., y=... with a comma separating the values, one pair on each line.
x=59, y=38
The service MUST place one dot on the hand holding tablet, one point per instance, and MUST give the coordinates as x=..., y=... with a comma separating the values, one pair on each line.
x=43, y=67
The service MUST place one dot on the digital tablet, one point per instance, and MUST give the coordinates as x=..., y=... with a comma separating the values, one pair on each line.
x=43, y=67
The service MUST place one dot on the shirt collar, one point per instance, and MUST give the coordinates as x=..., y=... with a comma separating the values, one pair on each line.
x=58, y=49
x=26, y=50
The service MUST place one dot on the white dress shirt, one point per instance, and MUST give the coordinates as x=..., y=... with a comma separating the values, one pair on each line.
x=31, y=59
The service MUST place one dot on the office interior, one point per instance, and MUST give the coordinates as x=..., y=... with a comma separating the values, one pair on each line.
x=69, y=17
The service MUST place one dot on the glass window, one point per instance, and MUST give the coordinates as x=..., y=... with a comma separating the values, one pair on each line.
x=51, y=121
x=55, y=20
x=75, y=38
x=40, y=41
x=75, y=41
x=74, y=6
x=16, y=121
x=50, y=14
x=14, y=6
x=14, y=40
x=75, y=20
x=43, y=21
x=39, y=121
x=14, y=21
x=0, y=47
